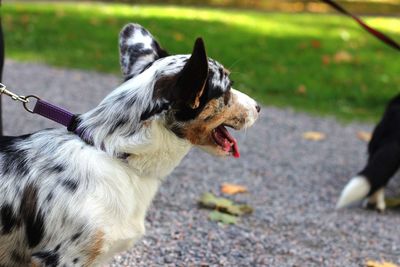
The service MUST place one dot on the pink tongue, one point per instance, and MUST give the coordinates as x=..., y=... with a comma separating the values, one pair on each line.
x=226, y=140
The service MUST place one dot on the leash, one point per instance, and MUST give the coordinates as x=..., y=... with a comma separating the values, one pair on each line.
x=381, y=36
x=52, y=112
x=43, y=108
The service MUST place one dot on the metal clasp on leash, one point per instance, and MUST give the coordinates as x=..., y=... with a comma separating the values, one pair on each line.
x=43, y=108
x=24, y=99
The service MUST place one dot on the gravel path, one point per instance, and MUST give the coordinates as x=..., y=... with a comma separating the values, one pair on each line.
x=293, y=186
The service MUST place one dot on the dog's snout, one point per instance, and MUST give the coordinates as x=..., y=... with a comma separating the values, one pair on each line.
x=258, y=108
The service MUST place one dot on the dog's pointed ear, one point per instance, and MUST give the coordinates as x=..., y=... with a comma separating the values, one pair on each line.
x=193, y=77
x=138, y=50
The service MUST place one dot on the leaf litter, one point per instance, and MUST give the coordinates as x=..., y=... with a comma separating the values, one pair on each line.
x=232, y=189
x=223, y=209
x=371, y=263
x=314, y=136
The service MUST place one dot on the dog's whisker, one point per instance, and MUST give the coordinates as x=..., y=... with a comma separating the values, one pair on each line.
x=235, y=63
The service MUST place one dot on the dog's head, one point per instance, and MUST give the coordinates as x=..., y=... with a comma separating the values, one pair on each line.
x=193, y=92
x=191, y=96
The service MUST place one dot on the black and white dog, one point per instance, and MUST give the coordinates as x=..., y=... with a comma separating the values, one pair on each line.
x=383, y=162
x=70, y=199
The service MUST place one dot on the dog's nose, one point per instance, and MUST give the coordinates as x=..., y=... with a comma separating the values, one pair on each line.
x=258, y=108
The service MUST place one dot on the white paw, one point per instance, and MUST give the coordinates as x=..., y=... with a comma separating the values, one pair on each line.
x=381, y=206
x=357, y=189
x=377, y=200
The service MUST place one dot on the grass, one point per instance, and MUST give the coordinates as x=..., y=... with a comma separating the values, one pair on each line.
x=280, y=59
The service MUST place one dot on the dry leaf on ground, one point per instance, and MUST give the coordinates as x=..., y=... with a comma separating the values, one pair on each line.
x=342, y=57
x=326, y=59
x=364, y=136
x=314, y=136
x=302, y=90
x=380, y=264
x=208, y=200
x=392, y=202
x=178, y=36
x=222, y=217
x=232, y=189
x=316, y=43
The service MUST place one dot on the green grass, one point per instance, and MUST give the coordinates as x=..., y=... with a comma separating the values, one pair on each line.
x=270, y=55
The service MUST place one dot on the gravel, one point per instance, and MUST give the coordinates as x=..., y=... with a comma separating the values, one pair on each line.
x=293, y=186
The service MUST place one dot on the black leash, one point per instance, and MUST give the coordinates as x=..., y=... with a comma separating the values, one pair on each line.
x=381, y=36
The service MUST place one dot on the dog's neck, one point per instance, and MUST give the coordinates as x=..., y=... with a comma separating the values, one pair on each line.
x=130, y=121
x=159, y=154
x=151, y=151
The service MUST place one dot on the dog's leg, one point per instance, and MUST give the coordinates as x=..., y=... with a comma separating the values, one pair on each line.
x=381, y=166
x=377, y=200
x=356, y=190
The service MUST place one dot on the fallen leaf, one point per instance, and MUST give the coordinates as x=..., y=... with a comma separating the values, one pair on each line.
x=210, y=201
x=315, y=44
x=222, y=217
x=314, y=136
x=302, y=89
x=342, y=57
x=25, y=19
x=380, y=264
x=392, y=202
x=178, y=36
x=364, y=136
x=232, y=189
x=326, y=59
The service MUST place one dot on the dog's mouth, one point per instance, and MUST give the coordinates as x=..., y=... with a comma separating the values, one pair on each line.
x=225, y=141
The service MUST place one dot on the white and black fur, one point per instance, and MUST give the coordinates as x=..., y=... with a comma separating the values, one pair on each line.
x=77, y=198
x=383, y=161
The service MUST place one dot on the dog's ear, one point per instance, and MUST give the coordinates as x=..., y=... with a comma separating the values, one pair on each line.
x=138, y=50
x=193, y=77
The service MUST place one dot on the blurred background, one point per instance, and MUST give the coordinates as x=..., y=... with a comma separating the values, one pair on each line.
x=298, y=54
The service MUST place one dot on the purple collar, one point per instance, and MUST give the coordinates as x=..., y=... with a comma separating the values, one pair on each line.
x=59, y=115
x=63, y=117
x=55, y=113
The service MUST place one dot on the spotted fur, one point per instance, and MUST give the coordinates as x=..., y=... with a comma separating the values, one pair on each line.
x=77, y=198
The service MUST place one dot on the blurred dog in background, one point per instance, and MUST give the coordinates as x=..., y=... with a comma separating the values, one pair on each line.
x=383, y=162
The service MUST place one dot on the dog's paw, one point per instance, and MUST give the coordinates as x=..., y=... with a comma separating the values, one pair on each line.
x=356, y=190
x=377, y=201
